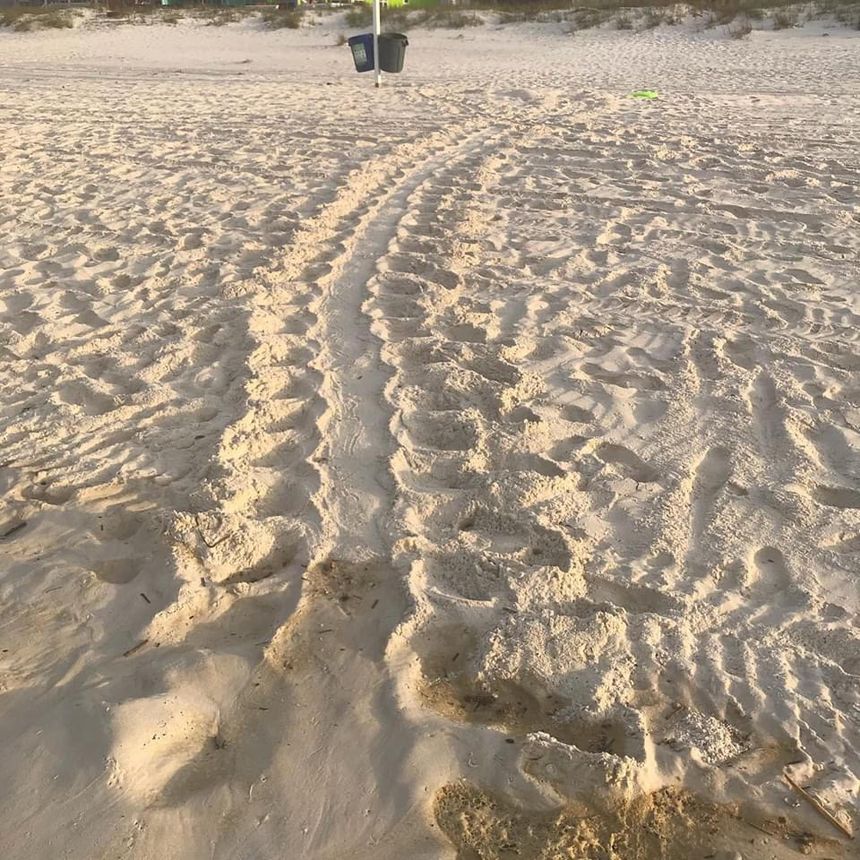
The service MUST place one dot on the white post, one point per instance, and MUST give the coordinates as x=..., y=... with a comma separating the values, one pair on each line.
x=377, y=25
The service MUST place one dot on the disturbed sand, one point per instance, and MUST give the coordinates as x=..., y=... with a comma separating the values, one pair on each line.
x=469, y=468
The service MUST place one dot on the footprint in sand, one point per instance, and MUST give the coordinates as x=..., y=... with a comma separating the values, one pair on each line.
x=836, y=497
x=741, y=351
x=466, y=333
x=629, y=463
x=445, y=433
x=50, y=495
x=91, y=402
x=632, y=597
x=576, y=414
x=117, y=571
x=711, y=475
x=767, y=414
x=12, y=528
x=714, y=469
x=773, y=575
x=636, y=381
x=24, y=322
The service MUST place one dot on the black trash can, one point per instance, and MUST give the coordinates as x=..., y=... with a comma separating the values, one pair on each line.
x=362, y=51
x=392, y=51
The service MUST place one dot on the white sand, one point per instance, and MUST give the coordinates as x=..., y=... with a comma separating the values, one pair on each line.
x=347, y=436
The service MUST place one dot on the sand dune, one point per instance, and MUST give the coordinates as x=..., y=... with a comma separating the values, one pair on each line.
x=467, y=469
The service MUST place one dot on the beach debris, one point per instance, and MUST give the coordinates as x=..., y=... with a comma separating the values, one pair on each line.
x=818, y=806
x=646, y=95
x=135, y=648
x=145, y=597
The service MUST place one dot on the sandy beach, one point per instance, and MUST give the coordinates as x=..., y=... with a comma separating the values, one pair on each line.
x=465, y=469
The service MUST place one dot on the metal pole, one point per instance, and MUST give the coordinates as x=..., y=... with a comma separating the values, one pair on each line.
x=377, y=24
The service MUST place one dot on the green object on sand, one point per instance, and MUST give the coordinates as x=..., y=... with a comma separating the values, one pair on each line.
x=645, y=94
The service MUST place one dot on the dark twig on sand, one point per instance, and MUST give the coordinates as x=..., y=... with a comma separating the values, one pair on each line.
x=135, y=648
x=818, y=806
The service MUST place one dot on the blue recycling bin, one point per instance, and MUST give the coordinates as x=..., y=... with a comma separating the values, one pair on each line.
x=362, y=51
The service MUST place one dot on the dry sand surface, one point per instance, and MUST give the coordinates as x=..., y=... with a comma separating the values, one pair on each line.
x=468, y=468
